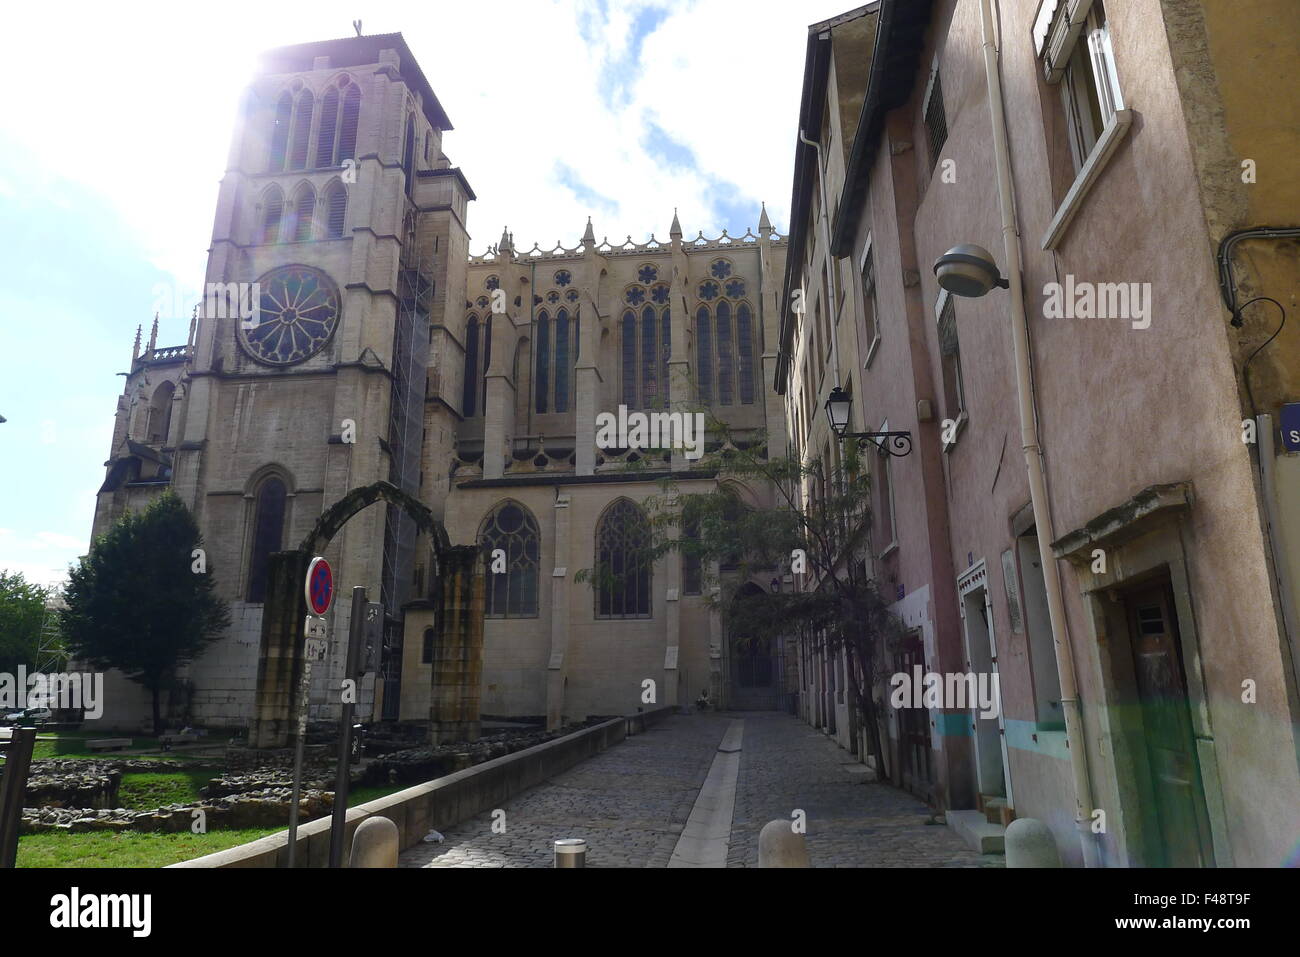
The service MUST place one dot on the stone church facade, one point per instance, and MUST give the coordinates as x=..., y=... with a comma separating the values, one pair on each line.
x=380, y=349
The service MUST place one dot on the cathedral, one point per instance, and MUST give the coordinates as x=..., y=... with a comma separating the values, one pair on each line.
x=348, y=336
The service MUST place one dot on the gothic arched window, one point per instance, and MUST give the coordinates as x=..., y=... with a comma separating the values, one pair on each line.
x=562, y=360
x=301, y=129
x=336, y=209
x=268, y=534
x=725, y=340
x=623, y=572
x=280, y=132
x=704, y=336
x=272, y=213
x=556, y=352
x=337, y=128
x=426, y=656
x=745, y=353
x=470, y=395
x=304, y=204
x=543, y=360
x=160, y=413
x=347, y=148
x=511, y=593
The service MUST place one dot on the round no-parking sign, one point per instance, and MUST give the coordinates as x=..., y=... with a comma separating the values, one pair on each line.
x=320, y=586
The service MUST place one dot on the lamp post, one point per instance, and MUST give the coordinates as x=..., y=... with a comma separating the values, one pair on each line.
x=838, y=408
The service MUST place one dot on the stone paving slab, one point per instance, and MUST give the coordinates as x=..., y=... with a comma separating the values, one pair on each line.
x=851, y=822
x=629, y=803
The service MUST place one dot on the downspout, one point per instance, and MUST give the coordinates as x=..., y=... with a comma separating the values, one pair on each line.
x=833, y=319
x=1034, y=454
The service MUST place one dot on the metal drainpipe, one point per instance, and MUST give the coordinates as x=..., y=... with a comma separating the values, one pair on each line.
x=826, y=257
x=1034, y=454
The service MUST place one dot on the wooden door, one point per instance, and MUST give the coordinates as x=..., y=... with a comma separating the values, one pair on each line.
x=1179, y=803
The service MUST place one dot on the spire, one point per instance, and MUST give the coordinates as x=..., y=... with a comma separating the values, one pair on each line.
x=675, y=231
x=135, y=350
x=764, y=224
x=589, y=236
x=194, y=321
x=505, y=247
x=153, y=334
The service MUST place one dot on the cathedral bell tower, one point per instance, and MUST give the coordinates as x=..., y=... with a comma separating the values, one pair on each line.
x=326, y=278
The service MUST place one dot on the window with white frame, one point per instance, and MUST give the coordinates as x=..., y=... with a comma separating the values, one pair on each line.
x=954, y=388
x=869, y=315
x=1073, y=38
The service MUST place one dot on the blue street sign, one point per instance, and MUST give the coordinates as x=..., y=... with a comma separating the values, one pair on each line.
x=1291, y=427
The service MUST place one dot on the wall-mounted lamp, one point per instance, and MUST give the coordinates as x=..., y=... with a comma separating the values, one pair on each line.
x=838, y=407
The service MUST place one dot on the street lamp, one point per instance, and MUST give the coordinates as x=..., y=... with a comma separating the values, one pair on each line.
x=838, y=407
x=968, y=270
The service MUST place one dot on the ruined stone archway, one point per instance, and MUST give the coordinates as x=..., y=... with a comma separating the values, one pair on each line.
x=453, y=579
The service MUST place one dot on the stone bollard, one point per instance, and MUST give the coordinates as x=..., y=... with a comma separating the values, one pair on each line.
x=1029, y=843
x=374, y=844
x=780, y=846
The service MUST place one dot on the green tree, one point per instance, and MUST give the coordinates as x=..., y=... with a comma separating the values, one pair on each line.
x=800, y=513
x=141, y=602
x=22, y=613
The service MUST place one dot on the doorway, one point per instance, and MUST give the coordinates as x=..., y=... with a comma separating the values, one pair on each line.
x=1160, y=685
x=913, y=727
x=982, y=659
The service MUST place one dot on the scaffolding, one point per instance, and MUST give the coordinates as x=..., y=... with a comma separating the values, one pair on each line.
x=405, y=430
x=51, y=654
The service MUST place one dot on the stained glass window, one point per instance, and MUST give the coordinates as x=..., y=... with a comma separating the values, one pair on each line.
x=623, y=572
x=704, y=332
x=562, y=361
x=635, y=295
x=563, y=278
x=297, y=314
x=724, y=352
x=745, y=354
x=708, y=291
x=511, y=593
x=543, y=360
x=720, y=269
x=648, y=274
x=492, y=282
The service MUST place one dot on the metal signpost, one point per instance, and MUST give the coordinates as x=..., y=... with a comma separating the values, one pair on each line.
x=320, y=594
x=343, y=773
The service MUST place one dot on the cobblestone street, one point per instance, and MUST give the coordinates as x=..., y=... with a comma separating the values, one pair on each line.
x=631, y=803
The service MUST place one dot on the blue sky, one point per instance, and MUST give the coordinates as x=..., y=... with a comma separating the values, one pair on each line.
x=563, y=109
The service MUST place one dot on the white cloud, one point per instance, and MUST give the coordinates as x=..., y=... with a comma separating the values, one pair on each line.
x=139, y=108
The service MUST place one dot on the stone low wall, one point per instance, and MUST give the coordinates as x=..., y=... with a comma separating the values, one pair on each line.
x=443, y=803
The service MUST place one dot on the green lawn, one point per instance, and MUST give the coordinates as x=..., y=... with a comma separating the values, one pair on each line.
x=144, y=792
x=127, y=850
x=147, y=791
